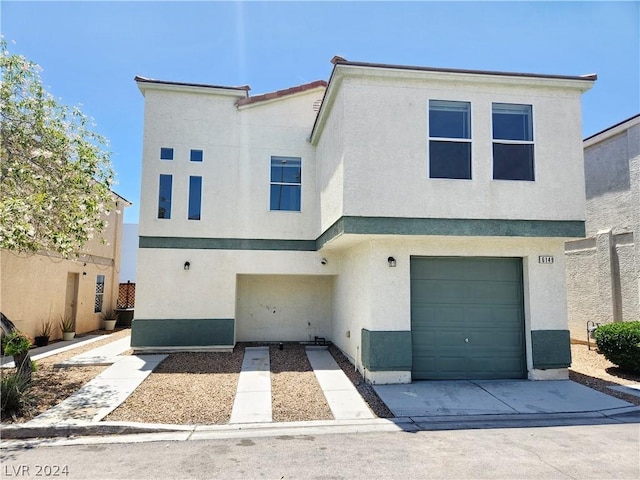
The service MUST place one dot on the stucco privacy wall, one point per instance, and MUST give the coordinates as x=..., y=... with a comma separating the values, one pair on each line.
x=237, y=144
x=385, y=160
x=603, y=271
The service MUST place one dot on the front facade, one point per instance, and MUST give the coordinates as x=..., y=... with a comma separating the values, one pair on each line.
x=415, y=217
x=603, y=270
x=36, y=288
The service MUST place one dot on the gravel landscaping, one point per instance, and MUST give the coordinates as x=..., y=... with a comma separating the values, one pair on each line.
x=199, y=388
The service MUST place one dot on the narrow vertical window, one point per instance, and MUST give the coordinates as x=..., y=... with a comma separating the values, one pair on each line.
x=99, y=294
x=195, y=197
x=164, y=196
x=286, y=183
x=166, y=153
x=195, y=155
x=512, y=142
x=449, y=139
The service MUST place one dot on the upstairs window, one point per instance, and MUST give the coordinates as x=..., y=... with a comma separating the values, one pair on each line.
x=164, y=196
x=97, y=307
x=512, y=142
x=166, y=153
x=449, y=139
x=195, y=197
x=195, y=156
x=286, y=183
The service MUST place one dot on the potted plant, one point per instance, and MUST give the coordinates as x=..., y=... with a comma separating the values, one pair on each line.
x=67, y=327
x=42, y=338
x=110, y=317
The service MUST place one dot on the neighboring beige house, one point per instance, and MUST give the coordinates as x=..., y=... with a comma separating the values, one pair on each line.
x=40, y=287
x=603, y=270
x=415, y=217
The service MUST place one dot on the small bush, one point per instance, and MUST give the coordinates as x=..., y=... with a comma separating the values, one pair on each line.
x=620, y=344
x=14, y=393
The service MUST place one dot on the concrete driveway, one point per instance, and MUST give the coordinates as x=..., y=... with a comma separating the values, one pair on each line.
x=497, y=397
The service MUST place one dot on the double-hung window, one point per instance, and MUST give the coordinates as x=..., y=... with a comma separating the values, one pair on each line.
x=286, y=183
x=449, y=139
x=164, y=196
x=512, y=142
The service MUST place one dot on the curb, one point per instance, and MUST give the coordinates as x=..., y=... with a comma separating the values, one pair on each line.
x=417, y=423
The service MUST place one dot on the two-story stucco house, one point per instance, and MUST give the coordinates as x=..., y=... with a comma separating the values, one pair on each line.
x=603, y=270
x=413, y=216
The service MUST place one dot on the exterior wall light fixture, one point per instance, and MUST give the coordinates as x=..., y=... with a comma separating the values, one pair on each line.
x=392, y=261
x=187, y=265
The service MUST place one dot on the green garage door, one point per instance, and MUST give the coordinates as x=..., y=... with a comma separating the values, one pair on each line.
x=467, y=318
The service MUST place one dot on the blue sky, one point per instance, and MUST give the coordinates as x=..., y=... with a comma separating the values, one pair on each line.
x=90, y=51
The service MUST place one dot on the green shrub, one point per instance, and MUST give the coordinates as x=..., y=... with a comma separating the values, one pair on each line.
x=619, y=342
x=16, y=343
x=14, y=393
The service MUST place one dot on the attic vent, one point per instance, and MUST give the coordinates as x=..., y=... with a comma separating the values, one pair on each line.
x=316, y=105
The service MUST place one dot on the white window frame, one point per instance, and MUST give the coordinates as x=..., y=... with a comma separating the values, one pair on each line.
x=443, y=103
x=271, y=182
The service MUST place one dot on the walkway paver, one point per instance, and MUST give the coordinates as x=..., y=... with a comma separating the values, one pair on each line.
x=253, y=396
x=103, y=394
x=104, y=355
x=54, y=348
x=344, y=400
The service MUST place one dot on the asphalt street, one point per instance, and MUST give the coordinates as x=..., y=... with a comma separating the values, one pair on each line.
x=583, y=451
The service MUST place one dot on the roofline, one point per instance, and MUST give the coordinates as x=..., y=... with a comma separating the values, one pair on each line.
x=340, y=61
x=140, y=79
x=281, y=93
x=612, y=127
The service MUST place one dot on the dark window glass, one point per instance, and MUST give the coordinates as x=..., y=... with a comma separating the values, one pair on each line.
x=166, y=153
x=164, y=196
x=450, y=160
x=285, y=197
x=195, y=197
x=286, y=183
x=195, y=155
x=512, y=122
x=449, y=119
x=513, y=161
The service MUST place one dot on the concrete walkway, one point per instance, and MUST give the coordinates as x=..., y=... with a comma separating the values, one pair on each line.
x=54, y=348
x=344, y=400
x=105, y=355
x=252, y=403
x=103, y=394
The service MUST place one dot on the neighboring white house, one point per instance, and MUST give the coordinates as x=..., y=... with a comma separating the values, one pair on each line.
x=415, y=217
x=603, y=270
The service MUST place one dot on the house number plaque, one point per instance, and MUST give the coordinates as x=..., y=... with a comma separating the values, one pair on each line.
x=545, y=259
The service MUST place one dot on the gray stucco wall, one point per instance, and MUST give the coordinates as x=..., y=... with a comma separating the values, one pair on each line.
x=603, y=270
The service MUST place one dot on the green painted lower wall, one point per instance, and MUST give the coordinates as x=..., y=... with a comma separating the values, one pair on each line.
x=182, y=332
x=386, y=350
x=550, y=349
